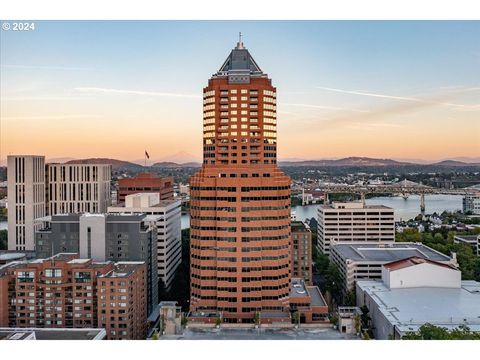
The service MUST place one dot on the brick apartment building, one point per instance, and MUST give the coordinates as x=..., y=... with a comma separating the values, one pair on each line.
x=302, y=252
x=104, y=237
x=145, y=183
x=67, y=292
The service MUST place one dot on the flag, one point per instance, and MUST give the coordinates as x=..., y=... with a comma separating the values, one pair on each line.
x=146, y=154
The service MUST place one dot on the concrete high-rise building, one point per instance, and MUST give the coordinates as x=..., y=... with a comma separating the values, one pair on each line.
x=240, y=199
x=145, y=183
x=104, y=237
x=302, y=252
x=169, y=233
x=354, y=222
x=26, y=199
x=36, y=190
x=75, y=188
x=67, y=292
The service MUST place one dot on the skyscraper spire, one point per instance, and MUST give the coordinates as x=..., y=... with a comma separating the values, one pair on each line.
x=240, y=42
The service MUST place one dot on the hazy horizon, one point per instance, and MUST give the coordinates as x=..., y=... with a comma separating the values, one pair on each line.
x=378, y=89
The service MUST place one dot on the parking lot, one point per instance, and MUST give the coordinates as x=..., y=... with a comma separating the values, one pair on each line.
x=260, y=334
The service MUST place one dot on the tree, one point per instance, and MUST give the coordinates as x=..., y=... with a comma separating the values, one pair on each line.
x=296, y=317
x=184, y=321
x=321, y=262
x=358, y=323
x=432, y=332
x=351, y=298
x=334, y=282
x=3, y=240
x=365, y=317
x=256, y=318
x=334, y=320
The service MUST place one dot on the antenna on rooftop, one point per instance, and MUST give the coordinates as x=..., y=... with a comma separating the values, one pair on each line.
x=240, y=42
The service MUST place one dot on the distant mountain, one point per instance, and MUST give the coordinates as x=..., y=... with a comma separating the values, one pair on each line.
x=169, y=164
x=454, y=163
x=116, y=164
x=465, y=159
x=365, y=161
x=59, y=160
x=350, y=161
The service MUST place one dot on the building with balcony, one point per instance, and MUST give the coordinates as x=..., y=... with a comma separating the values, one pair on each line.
x=64, y=291
x=104, y=237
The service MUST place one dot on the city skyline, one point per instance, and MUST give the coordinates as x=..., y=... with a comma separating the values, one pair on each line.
x=348, y=88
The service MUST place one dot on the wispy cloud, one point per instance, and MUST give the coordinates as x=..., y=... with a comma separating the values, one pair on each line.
x=325, y=107
x=41, y=98
x=430, y=101
x=52, y=117
x=135, y=92
x=42, y=67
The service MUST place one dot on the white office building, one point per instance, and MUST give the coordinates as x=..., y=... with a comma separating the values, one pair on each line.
x=169, y=246
x=36, y=189
x=26, y=199
x=414, y=292
x=471, y=203
x=354, y=222
x=78, y=188
x=364, y=261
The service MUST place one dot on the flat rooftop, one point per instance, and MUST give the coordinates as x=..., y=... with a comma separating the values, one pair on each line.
x=388, y=252
x=159, y=204
x=123, y=269
x=298, y=288
x=12, y=255
x=52, y=334
x=316, y=296
x=467, y=238
x=353, y=206
x=298, y=226
x=410, y=308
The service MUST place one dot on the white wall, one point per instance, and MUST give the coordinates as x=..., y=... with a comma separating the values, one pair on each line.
x=422, y=275
x=97, y=225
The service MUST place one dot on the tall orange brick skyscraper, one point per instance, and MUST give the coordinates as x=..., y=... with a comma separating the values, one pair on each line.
x=240, y=199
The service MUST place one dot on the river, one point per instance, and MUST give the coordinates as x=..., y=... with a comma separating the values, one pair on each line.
x=404, y=209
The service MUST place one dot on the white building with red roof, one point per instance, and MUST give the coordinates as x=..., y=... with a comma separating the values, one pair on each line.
x=417, y=291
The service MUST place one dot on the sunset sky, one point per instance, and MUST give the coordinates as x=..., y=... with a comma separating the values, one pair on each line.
x=403, y=89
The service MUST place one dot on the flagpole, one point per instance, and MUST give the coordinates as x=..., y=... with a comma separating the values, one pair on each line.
x=145, y=158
